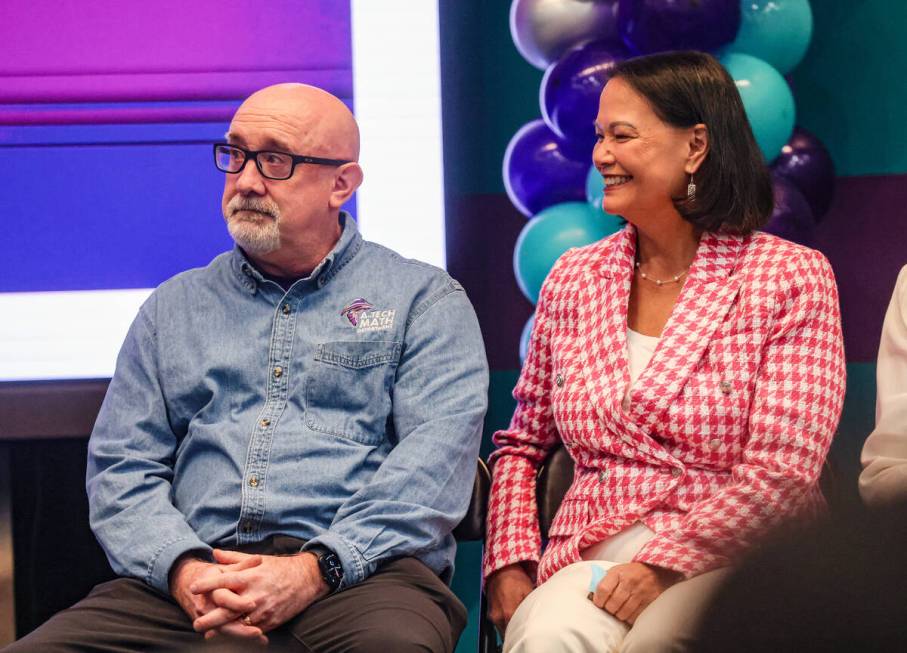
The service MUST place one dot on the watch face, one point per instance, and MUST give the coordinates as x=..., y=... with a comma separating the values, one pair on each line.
x=331, y=569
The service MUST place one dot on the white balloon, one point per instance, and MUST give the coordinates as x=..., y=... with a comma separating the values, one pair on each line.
x=544, y=29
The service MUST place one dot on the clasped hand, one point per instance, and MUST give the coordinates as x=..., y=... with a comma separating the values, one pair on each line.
x=245, y=596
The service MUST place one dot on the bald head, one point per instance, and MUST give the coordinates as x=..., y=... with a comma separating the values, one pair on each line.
x=310, y=121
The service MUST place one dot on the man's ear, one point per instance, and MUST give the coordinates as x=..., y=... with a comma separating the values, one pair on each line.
x=699, y=147
x=346, y=181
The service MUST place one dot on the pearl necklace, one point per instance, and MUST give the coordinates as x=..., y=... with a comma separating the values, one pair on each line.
x=661, y=282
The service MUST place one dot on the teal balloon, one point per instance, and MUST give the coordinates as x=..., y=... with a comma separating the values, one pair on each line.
x=767, y=99
x=776, y=31
x=524, y=338
x=551, y=233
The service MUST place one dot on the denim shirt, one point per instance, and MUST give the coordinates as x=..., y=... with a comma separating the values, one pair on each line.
x=345, y=411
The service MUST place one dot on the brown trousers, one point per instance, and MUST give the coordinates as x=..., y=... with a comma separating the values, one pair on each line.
x=403, y=607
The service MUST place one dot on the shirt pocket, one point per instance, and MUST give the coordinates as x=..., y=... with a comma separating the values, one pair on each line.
x=347, y=392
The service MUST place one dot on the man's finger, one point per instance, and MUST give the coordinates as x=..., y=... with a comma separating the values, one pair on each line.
x=246, y=563
x=231, y=557
x=215, y=619
x=225, y=598
x=242, y=631
x=231, y=581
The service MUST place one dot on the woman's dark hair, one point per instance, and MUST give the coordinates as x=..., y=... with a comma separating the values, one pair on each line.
x=733, y=187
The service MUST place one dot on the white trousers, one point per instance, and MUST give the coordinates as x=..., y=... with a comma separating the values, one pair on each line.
x=558, y=616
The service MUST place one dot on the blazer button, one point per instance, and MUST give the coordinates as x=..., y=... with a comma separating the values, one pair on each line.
x=725, y=387
x=559, y=380
x=714, y=444
x=675, y=472
x=601, y=476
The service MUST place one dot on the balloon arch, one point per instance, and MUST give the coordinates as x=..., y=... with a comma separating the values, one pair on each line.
x=577, y=43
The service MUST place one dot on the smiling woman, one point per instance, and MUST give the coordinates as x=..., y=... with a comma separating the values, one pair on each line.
x=692, y=367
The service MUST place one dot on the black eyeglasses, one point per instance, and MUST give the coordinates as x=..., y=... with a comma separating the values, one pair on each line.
x=272, y=165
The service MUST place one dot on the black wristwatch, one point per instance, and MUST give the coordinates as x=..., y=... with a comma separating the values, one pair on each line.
x=330, y=567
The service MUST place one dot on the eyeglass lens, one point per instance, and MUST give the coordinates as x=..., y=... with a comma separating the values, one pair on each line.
x=276, y=165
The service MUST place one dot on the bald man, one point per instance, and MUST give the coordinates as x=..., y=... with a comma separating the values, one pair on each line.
x=291, y=432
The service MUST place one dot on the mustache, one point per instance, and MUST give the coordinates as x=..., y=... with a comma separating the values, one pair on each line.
x=239, y=203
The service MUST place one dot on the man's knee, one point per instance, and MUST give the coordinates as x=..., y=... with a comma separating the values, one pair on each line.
x=412, y=633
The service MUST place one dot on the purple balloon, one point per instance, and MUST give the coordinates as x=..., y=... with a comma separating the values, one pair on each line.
x=648, y=26
x=806, y=163
x=571, y=88
x=540, y=170
x=792, y=219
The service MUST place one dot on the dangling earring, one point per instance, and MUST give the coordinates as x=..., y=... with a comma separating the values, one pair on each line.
x=691, y=189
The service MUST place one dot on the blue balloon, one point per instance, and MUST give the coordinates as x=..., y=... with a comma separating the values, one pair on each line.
x=805, y=162
x=776, y=31
x=524, y=337
x=648, y=26
x=791, y=219
x=571, y=88
x=767, y=99
x=551, y=233
x=541, y=170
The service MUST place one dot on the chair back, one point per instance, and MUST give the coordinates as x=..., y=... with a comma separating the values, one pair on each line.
x=554, y=479
x=472, y=527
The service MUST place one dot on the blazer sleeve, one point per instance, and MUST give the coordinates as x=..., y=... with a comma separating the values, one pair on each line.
x=884, y=458
x=512, y=527
x=795, y=407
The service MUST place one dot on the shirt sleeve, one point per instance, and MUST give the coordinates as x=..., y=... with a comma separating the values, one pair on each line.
x=884, y=458
x=798, y=394
x=130, y=467
x=512, y=533
x=421, y=491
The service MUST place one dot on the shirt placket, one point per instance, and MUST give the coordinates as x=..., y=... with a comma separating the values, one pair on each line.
x=262, y=435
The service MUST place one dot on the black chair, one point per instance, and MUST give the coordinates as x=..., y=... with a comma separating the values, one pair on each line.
x=554, y=479
x=472, y=527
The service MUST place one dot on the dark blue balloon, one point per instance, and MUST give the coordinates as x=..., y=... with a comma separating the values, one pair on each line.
x=571, y=88
x=792, y=219
x=541, y=170
x=806, y=163
x=648, y=26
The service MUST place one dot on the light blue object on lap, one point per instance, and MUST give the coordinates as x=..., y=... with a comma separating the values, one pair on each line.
x=598, y=572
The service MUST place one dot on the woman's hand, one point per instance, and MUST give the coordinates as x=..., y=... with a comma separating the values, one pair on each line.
x=628, y=589
x=506, y=588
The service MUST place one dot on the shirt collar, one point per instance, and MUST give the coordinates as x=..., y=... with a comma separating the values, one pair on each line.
x=344, y=250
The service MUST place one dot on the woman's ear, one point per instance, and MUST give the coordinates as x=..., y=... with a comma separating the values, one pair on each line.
x=699, y=147
x=346, y=181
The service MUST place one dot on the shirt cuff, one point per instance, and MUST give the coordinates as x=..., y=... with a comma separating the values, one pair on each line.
x=355, y=567
x=158, y=574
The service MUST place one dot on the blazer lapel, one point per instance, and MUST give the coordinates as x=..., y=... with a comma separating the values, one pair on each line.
x=707, y=296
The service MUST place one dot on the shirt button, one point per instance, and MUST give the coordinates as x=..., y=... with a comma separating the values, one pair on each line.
x=265, y=423
x=247, y=527
x=278, y=372
x=559, y=380
x=675, y=472
x=286, y=309
x=253, y=481
x=725, y=387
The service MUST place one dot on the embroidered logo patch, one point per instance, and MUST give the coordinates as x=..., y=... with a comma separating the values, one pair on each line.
x=354, y=309
x=365, y=318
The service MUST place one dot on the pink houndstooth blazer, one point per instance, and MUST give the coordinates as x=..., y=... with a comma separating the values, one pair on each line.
x=728, y=425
